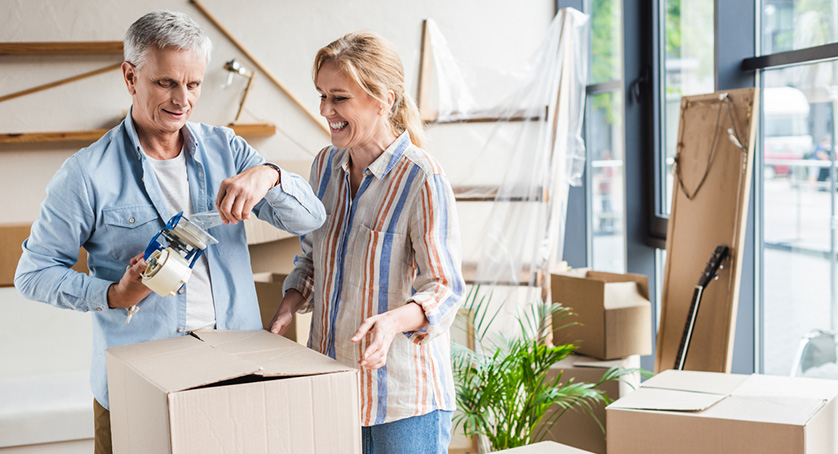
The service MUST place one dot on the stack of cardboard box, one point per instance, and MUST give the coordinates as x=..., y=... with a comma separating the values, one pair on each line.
x=611, y=326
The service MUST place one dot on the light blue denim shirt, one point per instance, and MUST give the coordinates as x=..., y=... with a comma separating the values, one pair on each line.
x=107, y=199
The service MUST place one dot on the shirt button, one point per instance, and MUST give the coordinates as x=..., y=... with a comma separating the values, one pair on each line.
x=180, y=291
x=131, y=220
x=180, y=330
x=99, y=309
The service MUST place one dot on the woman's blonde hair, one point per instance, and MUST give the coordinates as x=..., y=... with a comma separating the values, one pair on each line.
x=373, y=63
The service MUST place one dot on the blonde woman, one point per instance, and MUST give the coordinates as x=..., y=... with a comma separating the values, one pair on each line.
x=382, y=275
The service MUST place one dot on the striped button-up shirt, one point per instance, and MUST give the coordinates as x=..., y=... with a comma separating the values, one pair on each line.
x=396, y=241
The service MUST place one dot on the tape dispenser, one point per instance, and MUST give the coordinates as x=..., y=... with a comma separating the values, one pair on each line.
x=170, y=266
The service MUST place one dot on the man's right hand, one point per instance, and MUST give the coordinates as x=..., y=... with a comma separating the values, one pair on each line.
x=129, y=290
x=291, y=302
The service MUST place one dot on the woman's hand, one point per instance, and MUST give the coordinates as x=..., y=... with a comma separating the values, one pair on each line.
x=384, y=328
x=291, y=302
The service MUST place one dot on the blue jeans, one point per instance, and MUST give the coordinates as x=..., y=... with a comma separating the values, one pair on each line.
x=426, y=434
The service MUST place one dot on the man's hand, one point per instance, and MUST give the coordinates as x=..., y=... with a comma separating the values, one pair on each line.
x=129, y=290
x=238, y=194
x=291, y=302
x=383, y=327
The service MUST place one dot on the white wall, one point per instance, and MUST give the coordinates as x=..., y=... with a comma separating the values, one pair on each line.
x=283, y=35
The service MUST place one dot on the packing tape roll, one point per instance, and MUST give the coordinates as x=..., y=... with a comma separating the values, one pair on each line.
x=167, y=271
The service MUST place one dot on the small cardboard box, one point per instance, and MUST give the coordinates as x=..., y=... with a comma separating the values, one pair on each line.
x=578, y=428
x=12, y=237
x=269, y=294
x=689, y=412
x=231, y=391
x=544, y=447
x=614, y=316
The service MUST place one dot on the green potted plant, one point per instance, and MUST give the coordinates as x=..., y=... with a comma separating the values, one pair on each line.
x=502, y=386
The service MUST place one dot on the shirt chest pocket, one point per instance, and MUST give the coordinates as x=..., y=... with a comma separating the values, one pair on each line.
x=380, y=260
x=128, y=229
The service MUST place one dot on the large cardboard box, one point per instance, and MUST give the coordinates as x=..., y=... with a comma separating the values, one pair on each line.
x=269, y=294
x=231, y=391
x=689, y=412
x=614, y=316
x=544, y=447
x=578, y=428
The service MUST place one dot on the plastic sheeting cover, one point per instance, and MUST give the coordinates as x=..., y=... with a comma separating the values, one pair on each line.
x=524, y=160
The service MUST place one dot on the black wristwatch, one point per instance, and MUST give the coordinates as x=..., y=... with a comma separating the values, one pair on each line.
x=278, y=171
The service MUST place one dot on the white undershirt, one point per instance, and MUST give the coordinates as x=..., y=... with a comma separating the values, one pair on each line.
x=174, y=183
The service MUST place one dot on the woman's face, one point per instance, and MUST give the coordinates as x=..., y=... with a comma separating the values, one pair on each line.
x=356, y=119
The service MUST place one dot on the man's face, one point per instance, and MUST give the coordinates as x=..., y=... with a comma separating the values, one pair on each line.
x=164, y=89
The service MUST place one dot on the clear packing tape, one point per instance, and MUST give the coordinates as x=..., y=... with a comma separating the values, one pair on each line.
x=524, y=158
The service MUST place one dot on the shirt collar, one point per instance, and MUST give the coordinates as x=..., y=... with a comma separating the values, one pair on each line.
x=189, y=143
x=388, y=159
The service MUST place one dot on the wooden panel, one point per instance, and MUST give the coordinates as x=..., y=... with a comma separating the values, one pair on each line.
x=61, y=48
x=708, y=209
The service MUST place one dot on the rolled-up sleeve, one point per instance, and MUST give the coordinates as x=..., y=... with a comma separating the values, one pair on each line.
x=435, y=234
x=294, y=207
x=66, y=219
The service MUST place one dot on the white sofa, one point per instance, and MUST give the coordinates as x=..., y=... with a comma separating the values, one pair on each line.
x=45, y=401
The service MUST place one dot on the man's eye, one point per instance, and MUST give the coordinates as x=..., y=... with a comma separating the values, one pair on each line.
x=340, y=98
x=194, y=85
x=322, y=97
x=165, y=83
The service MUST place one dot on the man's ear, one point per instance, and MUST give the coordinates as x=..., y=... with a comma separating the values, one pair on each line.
x=129, y=74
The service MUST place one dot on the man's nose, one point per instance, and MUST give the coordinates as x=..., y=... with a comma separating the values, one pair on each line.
x=180, y=95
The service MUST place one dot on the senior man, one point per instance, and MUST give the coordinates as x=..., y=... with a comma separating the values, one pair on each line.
x=115, y=195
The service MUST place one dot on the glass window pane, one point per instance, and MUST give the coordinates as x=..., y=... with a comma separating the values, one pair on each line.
x=606, y=41
x=605, y=148
x=797, y=24
x=799, y=200
x=688, y=68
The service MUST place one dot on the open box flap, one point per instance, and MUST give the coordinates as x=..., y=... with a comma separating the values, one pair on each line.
x=277, y=356
x=180, y=363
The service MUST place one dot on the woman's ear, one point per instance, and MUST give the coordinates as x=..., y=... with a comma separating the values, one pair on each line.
x=391, y=98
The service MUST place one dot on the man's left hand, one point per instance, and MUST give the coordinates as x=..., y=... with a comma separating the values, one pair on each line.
x=238, y=195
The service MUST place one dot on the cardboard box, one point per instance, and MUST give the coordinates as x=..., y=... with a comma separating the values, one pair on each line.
x=689, y=412
x=544, y=447
x=274, y=256
x=269, y=294
x=231, y=391
x=12, y=237
x=578, y=428
x=614, y=316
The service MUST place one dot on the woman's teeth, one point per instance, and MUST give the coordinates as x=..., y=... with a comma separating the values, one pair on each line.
x=338, y=125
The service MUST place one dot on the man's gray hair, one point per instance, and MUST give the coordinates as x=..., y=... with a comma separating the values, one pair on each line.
x=165, y=30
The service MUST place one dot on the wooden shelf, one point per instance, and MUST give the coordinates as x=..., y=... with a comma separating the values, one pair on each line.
x=525, y=278
x=478, y=118
x=254, y=129
x=243, y=129
x=61, y=48
x=61, y=136
x=490, y=194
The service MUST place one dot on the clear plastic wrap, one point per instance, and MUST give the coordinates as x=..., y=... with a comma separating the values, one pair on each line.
x=515, y=159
